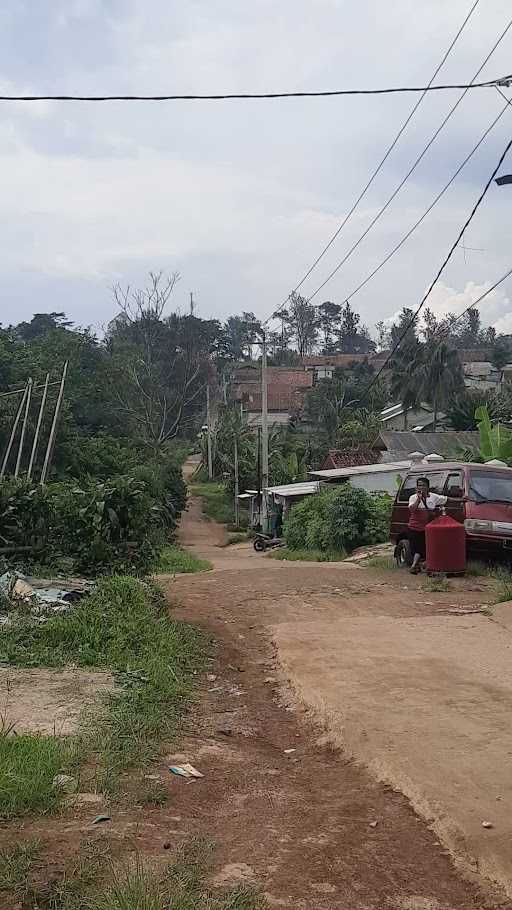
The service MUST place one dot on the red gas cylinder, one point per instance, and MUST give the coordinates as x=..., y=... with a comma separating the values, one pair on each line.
x=446, y=546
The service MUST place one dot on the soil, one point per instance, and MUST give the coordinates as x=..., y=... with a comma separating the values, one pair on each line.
x=48, y=701
x=287, y=808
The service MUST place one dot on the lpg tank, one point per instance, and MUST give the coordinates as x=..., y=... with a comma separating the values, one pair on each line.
x=446, y=546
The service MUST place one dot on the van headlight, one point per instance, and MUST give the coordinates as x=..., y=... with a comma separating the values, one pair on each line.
x=478, y=524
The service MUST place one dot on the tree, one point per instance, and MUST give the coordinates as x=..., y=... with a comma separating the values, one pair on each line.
x=238, y=336
x=160, y=364
x=41, y=324
x=495, y=441
x=302, y=321
x=437, y=373
x=353, y=338
x=461, y=409
x=404, y=381
x=328, y=317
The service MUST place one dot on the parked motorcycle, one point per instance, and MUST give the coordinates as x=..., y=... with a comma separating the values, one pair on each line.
x=264, y=542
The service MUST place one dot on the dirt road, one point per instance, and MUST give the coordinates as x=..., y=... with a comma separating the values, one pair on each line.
x=310, y=655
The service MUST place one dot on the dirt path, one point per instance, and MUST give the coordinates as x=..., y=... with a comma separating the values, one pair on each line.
x=311, y=826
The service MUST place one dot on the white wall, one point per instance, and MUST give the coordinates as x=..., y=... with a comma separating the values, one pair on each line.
x=382, y=482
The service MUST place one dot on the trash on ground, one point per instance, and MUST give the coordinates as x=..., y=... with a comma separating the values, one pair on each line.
x=373, y=824
x=65, y=782
x=487, y=825
x=289, y=751
x=186, y=770
x=42, y=594
x=211, y=677
x=101, y=818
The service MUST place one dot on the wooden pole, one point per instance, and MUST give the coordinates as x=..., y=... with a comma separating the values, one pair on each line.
x=51, y=438
x=38, y=427
x=264, y=433
x=235, y=455
x=13, y=433
x=23, y=428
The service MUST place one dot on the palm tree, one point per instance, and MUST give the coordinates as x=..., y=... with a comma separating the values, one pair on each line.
x=436, y=374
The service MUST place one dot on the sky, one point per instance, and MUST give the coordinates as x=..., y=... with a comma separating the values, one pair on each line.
x=241, y=197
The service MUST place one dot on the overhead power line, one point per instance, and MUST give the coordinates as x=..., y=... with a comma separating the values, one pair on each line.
x=249, y=96
x=411, y=170
x=445, y=262
x=383, y=160
x=432, y=205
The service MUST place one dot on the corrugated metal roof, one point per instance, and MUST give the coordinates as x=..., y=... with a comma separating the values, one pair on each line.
x=335, y=473
x=400, y=443
x=296, y=489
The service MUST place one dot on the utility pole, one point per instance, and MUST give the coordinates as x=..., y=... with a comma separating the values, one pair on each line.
x=235, y=457
x=13, y=432
x=53, y=429
x=23, y=428
x=264, y=430
x=191, y=303
x=38, y=427
x=209, y=432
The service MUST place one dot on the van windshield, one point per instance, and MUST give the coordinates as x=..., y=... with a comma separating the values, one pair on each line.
x=484, y=486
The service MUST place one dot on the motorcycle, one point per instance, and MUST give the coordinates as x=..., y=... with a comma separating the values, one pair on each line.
x=264, y=542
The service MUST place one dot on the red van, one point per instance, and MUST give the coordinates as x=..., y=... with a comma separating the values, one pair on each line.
x=479, y=496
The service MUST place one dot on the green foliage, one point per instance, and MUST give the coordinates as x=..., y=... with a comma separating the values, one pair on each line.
x=495, y=440
x=174, y=559
x=15, y=865
x=285, y=554
x=216, y=499
x=339, y=519
x=28, y=765
x=122, y=626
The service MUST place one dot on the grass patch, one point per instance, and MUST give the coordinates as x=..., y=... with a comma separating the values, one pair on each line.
x=285, y=553
x=380, y=562
x=122, y=626
x=16, y=863
x=238, y=537
x=181, y=887
x=502, y=579
x=217, y=502
x=436, y=585
x=174, y=559
x=28, y=765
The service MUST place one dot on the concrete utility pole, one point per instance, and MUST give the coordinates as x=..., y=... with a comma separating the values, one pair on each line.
x=13, y=432
x=23, y=428
x=53, y=428
x=38, y=427
x=264, y=430
x=235, y=457
x=191, y=303
x=209, y=432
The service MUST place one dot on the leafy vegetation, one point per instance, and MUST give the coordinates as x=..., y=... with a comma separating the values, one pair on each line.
x=174, y=559
x=122, y=626
x=28, y=765
x=217, y=502
x=287, y=555
x=340, y=519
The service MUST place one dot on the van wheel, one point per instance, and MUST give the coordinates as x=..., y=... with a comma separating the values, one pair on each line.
x=403, y=554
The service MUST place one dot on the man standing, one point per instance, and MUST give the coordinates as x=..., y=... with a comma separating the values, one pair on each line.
x=422, y=509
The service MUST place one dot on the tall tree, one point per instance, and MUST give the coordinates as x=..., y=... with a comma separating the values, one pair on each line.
x=353, y=338
x=302, y=320
x=404, y=382
x=328, y=318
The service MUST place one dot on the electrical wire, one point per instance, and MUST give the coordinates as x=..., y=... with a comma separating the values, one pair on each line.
x=431, y=206
x=389, y=150
x=249, y=96
x=411, y=169
x=445, y=262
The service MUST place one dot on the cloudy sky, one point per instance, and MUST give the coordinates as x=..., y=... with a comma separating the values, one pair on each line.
x=240, y=197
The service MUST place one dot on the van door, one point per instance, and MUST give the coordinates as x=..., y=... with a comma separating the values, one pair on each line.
x=400, y=515
x=454, y=490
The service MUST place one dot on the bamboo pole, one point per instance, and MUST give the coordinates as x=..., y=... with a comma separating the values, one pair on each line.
x=51, y=437
x=38, y=427
x=23, y=428
x=13, y=433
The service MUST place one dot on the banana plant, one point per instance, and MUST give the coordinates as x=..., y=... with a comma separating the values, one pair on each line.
x=495, y=440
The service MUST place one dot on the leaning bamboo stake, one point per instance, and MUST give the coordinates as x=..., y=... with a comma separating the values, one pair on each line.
x=38, y=427
x=13, y=433
x=49, y=447
x=23, y=428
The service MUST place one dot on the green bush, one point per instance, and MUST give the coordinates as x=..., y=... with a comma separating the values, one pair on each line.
x=340, y=518
x=120, y=522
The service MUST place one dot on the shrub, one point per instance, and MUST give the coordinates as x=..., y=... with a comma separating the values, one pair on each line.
x=340, y=518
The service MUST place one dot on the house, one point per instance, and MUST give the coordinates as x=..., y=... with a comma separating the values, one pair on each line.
x=285, y=389
x=322, y=366
x=348, y=458
x=375, y=478
x=396, y=417
x=396, y=446
x=285, y=495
